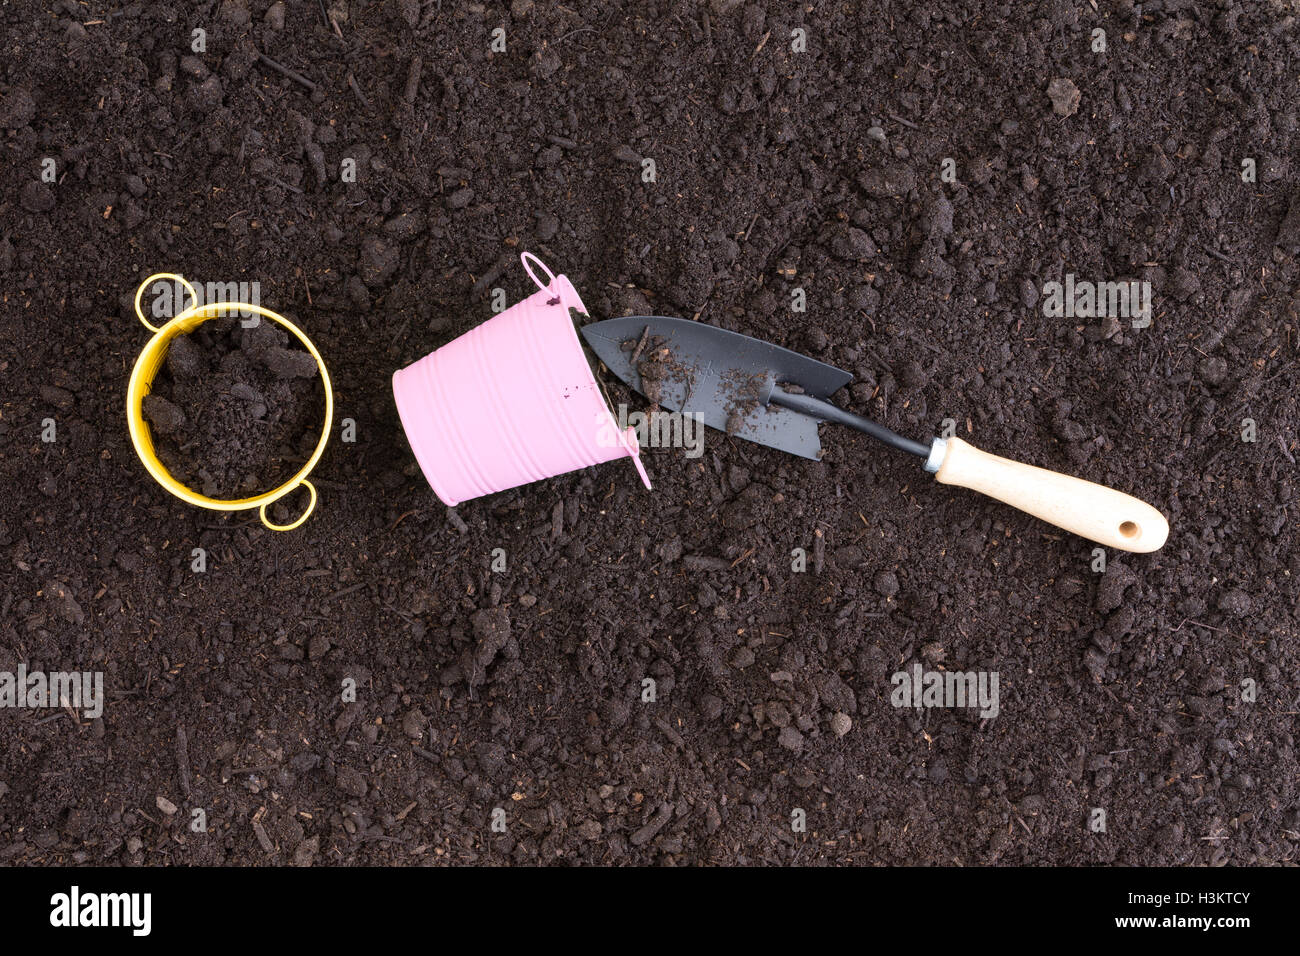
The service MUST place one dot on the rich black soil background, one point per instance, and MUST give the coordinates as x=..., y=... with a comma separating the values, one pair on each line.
x=521, y=690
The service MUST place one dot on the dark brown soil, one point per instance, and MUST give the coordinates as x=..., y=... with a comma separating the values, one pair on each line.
x=522, y=690
x=234, y=411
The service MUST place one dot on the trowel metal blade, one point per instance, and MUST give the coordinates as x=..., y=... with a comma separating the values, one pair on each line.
x=715, y=374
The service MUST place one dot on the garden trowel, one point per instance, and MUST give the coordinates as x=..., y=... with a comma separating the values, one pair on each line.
x=769, y=395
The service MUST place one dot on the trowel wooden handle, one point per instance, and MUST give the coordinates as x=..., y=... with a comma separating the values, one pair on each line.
x=1093, y=511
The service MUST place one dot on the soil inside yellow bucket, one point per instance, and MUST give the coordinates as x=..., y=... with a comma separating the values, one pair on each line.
x=236, y=408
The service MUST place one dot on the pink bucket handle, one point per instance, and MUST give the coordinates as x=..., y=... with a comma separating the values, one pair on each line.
x=545, y=287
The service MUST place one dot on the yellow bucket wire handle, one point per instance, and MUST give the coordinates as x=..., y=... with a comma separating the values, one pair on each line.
x=151, y=359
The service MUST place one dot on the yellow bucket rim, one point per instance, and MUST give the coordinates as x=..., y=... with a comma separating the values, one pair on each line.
x=146, y=367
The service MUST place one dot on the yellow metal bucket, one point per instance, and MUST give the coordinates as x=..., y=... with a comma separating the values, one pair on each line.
x=147, y=365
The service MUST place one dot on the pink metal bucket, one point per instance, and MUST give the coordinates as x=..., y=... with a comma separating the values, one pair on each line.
x=510, y=402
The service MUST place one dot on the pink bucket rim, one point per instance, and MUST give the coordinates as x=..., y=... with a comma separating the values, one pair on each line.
x=561, y=286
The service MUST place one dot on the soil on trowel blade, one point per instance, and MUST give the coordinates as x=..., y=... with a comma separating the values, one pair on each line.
x=657, y=363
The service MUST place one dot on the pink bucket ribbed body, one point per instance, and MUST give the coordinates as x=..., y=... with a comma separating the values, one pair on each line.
x=510, y=402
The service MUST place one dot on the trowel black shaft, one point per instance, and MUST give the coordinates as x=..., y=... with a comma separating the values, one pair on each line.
x=825, y=411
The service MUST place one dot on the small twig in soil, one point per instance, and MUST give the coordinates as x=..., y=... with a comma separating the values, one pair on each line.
x=413, y=79
x=557, y=520
x=250, y=771
x=907, y=123
x=285, y=71
x=283, y=185
x=140, y=811
x=669, y=732
x=573, y=33
x=262, y=837
x=403, y=518
x=401, y=332
x=1188, y=620
x=356, y=88
x=183, y=760
x=742, y=557
x=1281, y=443
x=342, y=593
